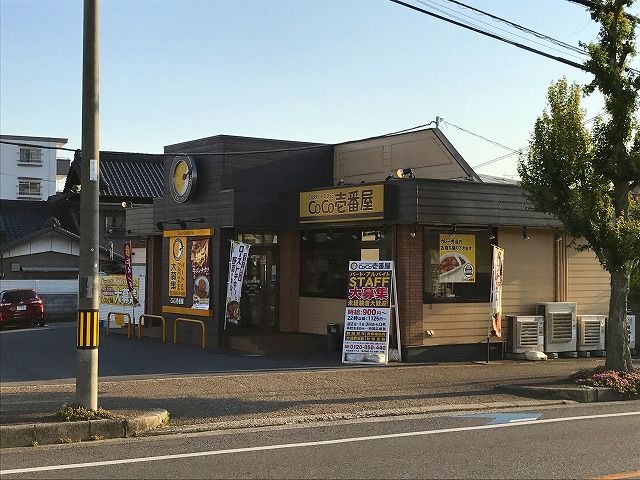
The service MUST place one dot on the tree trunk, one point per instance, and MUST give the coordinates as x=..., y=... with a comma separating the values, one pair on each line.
x=618, y=354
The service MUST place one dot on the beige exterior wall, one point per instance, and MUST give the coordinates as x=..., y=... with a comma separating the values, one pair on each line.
x=529, y=269
x=373, y=160
x=528, y=278
x=455, y=323
x=315, y=313
x=588, y=284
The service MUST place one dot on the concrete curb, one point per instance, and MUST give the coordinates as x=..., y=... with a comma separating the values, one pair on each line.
x=584, y=394
x=30, y=435
x=332, y=417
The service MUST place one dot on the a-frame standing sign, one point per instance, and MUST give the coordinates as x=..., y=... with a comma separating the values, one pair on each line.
x=370, y=313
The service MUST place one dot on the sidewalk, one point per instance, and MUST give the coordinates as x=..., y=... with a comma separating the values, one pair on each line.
x=286, y=392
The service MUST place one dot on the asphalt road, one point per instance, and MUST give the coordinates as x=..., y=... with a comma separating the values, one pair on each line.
x=577, y=441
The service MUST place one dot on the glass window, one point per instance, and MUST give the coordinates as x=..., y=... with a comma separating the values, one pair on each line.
x=19, y=296
x=29, y=187
x=457, y=266
x=258, y=238
x=116, y=220
x=325, y=255
x=30, y=156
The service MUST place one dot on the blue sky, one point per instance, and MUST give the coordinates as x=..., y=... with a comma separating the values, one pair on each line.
x=313, y=70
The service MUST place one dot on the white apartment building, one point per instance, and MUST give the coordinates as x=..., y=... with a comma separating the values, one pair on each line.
x=30, y=172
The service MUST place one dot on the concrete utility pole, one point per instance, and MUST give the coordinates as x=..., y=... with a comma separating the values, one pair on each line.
x=89, y=280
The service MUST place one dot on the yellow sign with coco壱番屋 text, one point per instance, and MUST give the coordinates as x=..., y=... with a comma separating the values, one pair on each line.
x=342, y=204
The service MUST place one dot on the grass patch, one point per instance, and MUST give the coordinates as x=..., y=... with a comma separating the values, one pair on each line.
x=625, y=383
x=71, y=413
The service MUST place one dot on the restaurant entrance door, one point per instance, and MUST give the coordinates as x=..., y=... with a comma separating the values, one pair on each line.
x=259, y=302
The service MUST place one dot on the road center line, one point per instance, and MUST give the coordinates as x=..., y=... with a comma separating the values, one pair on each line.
x=307, y=444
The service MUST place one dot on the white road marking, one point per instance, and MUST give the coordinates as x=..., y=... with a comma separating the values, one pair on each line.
x=305, y=444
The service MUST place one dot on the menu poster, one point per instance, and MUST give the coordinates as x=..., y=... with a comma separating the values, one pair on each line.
x=200, y=273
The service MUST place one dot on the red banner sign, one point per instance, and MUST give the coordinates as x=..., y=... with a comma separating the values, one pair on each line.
x=128, y=270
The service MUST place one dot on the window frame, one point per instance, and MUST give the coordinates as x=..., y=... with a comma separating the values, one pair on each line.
x=354, y=239
x=29, y=182
x=32, y=156
x=427, y=298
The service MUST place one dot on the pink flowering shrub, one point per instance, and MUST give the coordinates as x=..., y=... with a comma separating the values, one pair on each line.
x=626, y=383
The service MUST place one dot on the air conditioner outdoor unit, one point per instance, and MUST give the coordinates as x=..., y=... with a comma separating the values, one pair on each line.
x=591, y=332
x=527, y=333
x=631, y=328
x=559, y=326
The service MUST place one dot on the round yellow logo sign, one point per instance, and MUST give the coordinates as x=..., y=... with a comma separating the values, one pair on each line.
x=183, y=178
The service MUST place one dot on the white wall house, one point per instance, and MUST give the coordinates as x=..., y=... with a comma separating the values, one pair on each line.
x=31, y=173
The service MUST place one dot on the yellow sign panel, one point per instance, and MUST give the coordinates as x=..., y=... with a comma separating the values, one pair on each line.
x=115, y=291
x=457, y=259
x=178, y=267
x=342, y=204
x=198, y=232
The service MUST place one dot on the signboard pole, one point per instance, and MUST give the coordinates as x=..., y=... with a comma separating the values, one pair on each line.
x=228, y=280
x=497, y=277
x=238, y=257
x=397, y=313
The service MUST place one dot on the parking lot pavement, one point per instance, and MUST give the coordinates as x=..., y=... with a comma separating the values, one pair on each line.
x=48, y=354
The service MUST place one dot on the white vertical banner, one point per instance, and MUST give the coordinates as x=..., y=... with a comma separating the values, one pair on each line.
x=238, y=257
x=367, y=319
x=497, y=276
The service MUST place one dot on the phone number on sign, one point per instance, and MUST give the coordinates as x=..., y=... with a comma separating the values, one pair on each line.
x=364, y=347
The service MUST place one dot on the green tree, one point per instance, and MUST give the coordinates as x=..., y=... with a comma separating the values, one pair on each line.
x=585, y=178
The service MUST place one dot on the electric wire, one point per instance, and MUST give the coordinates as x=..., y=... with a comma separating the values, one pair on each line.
x=248, y=152
x=436, y=6
x=508, y=155
x=513, y=150
x=282, y=150
x=497, y=159
x=503, y=39
x=44, y=147
x=492, y=35
x=521, y=27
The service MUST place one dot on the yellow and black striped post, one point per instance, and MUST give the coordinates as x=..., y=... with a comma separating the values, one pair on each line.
x=88, y=329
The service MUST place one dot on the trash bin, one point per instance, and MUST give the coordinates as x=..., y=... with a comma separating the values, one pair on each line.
x=333, y=337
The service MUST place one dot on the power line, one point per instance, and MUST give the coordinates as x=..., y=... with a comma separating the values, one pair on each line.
x=521, y=27
x=249, y=152
x=497, y=159
x=436, y=6
x=508, y=155
x=44, y=147
x=492, y=35
x=595, y=6
x=513, y=150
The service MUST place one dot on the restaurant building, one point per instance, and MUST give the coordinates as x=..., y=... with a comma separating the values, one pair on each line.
x=307, y=209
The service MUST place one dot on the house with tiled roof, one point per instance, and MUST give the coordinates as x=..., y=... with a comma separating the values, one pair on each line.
x=39, y=240
x=128, y=184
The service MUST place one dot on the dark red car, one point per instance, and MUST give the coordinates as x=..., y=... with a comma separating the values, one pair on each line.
x=21, y=305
